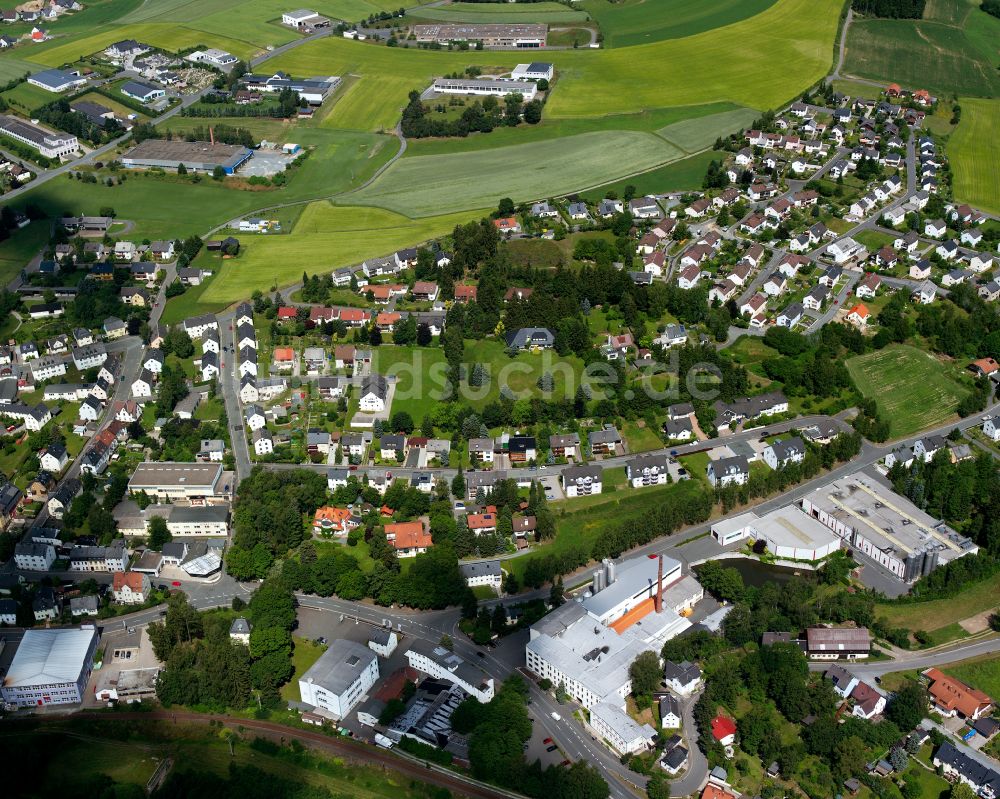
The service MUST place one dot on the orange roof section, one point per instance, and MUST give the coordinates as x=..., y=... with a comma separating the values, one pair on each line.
x=637, y=613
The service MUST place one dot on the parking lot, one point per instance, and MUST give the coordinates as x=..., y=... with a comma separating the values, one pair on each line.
x=265, y=163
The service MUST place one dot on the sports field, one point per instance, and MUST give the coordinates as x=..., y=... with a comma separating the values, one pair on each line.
x=553, y=13
x=431, y=184
x=746, y=63
x=913, y=390
x=953, y=49
x=325, y=237
x=974, y=151
x=632, y=22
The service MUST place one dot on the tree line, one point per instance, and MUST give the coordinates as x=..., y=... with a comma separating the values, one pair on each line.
x=891, y=9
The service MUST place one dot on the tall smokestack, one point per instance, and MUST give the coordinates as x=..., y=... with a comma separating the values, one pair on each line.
x=211, y=134
x=658, y=602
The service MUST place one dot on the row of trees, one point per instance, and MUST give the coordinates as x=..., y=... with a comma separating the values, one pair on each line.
x=59, y=115
x=893, y=9
x=478, y=117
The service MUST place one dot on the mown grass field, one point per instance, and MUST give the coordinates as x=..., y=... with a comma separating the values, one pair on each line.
x=953, y=49
x=304, y=655
x=370, y=103
x=633, y=22
x=982, y=674
x=746, y=63
x=692, y=135
x=974, y=150
x=325, y=237
x=553, y=13
x=683, y=175
x=913, y=390
x=11, y=68
x=939, y=613
x=652, y=121
x=443, y=183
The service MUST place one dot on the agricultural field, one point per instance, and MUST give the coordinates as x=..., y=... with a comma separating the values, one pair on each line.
x=16, y=251
x=168, y=36
x=744, y=63
x=683, y=175
x=325, y=237
x=371, y=103
x=974, y=151
x=12, y=68
x=653, y=121
x=913, y=389
x=550, y=12
x=431, y=184
x=634, y=22
x=952, y=50
x=692, y=135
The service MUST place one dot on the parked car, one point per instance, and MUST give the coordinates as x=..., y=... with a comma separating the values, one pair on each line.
x=551, y=748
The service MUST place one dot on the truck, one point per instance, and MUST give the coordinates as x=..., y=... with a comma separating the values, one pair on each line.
x=385, y=743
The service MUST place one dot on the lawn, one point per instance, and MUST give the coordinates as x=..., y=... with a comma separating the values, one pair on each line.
x=952, y=50
x=325, y=237
x=575, y=529
x=641, y=439
x=913, y=389
x=420, y=372
x=931, y=785
x=974, y=151
x=304, y=654
x=983, y=674
x=513, y=13
x=939, y=613
x=640, y=21
x=746, y=63
x=441, y=183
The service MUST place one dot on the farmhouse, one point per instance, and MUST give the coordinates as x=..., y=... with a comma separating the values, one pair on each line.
x=197, y=156
x=313, y=90
x=519, y=36
x=484, y=86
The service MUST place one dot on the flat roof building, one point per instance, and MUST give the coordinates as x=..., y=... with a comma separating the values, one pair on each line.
x=51, y=144
x=50, y=667
x=588, y=645
x=519, y=36
x=199, y=156
x=536, y=70
x=788, y=532
x=441, y=663
x=56, y=80
x=340, y=678
x=484, y=86
x=173, y=480
x=885, y=527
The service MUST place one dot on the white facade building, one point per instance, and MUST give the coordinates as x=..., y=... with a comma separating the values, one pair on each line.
x=340, y=678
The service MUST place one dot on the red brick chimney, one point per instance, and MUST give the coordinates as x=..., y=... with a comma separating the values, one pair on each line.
x=658, y=601
x=211, y=134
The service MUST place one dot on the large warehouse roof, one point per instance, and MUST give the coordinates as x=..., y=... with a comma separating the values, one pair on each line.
x=48, y=657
